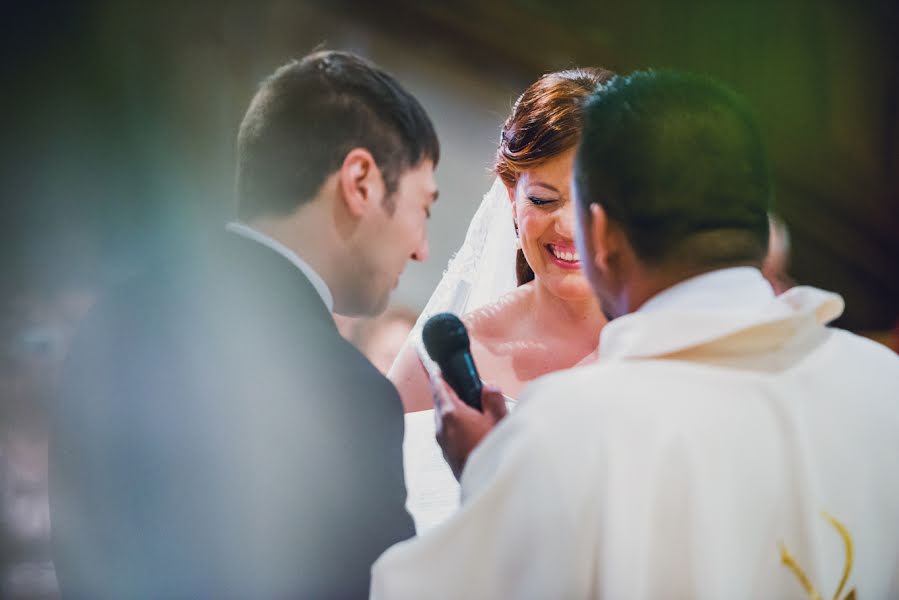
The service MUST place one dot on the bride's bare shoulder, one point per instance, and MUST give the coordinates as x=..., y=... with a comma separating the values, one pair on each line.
x=499, y=320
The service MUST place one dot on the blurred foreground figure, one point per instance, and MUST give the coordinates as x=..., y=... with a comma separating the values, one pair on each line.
x=726, y=444
x=36, y=325
x=216, y=436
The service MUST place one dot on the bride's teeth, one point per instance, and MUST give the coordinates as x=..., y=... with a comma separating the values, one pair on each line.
x=566, y=256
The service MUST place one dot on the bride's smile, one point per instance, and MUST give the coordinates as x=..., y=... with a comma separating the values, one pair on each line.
x=522, y=235
x=544, y=216
x=565, y=255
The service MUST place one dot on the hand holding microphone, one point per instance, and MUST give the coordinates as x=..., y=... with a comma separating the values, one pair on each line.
x=474, y=409
x=446, y=340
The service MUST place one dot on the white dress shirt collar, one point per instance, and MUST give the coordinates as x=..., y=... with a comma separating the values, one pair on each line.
x=314, y=278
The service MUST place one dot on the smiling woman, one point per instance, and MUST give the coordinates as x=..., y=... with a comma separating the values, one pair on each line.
x=551, y=320
x=539, y=319
x=543, y=218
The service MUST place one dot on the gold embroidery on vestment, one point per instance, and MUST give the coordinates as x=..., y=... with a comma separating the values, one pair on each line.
x=787, y=559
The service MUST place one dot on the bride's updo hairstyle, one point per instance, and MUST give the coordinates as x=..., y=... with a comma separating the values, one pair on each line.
x=545, y=122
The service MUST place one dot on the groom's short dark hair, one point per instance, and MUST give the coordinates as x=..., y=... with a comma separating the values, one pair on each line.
x=309, y=114
x=677, y=161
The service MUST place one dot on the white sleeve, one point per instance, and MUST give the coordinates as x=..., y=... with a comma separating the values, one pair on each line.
x=514, y=537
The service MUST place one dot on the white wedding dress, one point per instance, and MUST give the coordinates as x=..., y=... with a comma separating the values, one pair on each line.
x=481, y=272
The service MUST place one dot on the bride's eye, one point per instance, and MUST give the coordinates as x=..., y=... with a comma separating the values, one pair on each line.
x=539, y=201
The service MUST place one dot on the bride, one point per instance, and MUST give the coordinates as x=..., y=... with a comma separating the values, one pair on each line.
x=516, y=280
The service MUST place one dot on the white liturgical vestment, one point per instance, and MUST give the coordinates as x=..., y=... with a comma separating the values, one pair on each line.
x=727, y=444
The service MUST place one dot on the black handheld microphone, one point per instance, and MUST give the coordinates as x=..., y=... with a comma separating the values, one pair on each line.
x=446, y=341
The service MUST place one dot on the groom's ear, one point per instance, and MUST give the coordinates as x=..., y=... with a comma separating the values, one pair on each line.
x=360, y=182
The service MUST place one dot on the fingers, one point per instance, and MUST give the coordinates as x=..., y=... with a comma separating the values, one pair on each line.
x=494, y=402
x=462, y=428
x=444, y=397
x=457, y=404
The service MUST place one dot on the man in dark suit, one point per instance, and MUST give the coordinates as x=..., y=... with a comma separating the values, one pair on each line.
x=217, y=438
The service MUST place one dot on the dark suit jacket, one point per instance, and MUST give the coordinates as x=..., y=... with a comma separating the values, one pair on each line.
x=217, y=438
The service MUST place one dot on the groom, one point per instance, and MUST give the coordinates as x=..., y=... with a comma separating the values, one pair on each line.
x=217, y=437
x=726, y=443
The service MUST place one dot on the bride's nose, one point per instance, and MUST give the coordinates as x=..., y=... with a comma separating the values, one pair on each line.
x=565, y=221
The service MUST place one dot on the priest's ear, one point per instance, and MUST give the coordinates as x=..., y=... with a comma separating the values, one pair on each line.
x=605, y=238
x=360, y=182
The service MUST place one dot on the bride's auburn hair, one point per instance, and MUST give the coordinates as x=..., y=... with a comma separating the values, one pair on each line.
x=546, y=121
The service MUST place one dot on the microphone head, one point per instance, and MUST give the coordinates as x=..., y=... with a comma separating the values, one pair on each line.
x=443, y=335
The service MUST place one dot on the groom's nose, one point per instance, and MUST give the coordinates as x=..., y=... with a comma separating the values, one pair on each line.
x=422, y=251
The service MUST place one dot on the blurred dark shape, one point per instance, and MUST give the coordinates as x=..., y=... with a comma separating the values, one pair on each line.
x=887, y=337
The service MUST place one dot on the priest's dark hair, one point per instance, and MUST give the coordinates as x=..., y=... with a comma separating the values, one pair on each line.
x=309, y=114
x=677, y=161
